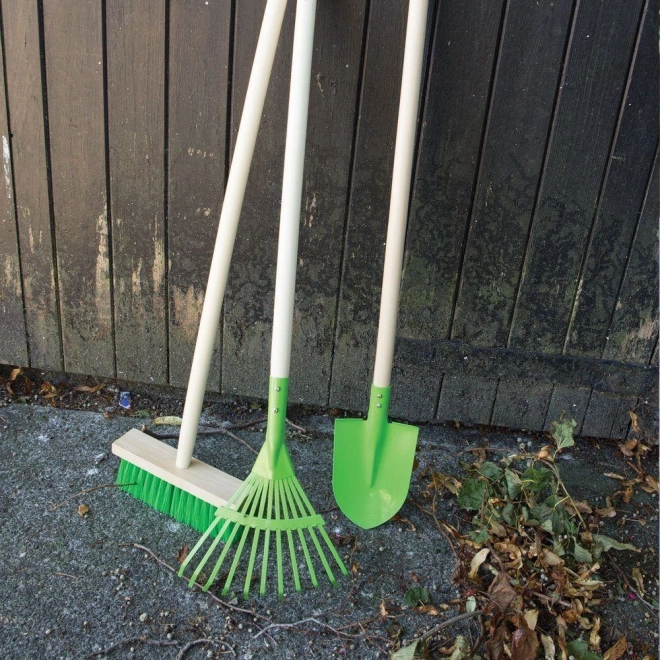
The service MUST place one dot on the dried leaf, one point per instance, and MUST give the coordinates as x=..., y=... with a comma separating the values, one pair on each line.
x=462, y=649
x=501, y=592
x=613, y=475
x=616, y=651
x=639, y=580
x=544, y=453
x=531, y=617
x=579, y=507
x=594, y=637
x=87, y=388
x=548, y=647
x=609, y=543
x=427, y=609
x=382, y=609
x=440, y=480
x=628, y=448
x=633, y=419
x=83, y=510
x=551, y=559
x=169, y=420
x=183, y=553
x=15, y=373
x=652, y=484
x=476, y=562
x=524, y=642
x=607, y=512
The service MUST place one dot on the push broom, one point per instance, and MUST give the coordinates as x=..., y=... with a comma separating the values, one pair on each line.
x=373, y=458
x=169, y=479
x=271, y=505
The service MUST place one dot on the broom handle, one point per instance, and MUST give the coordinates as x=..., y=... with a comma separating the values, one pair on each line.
x=229, y=216
x=403, y=158
x=292, y=184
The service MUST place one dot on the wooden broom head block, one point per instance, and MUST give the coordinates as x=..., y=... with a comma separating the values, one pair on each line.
x=199, y=479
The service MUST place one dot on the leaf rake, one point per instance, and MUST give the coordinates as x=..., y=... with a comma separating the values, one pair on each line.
x=271, y=503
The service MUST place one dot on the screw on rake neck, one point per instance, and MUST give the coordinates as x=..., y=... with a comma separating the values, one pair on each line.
x=273, y=461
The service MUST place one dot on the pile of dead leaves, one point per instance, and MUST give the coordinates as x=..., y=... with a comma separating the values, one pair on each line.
x=530, y=558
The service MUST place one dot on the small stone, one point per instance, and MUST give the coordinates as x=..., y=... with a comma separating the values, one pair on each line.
x=143, y=617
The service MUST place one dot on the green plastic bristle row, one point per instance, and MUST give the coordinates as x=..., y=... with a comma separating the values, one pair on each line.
x=276, y=512
x=164, y=497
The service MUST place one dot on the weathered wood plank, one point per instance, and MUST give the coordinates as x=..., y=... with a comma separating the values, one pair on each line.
x=633, y=333
x=528, y=71
x=631, y=160
x=248, y=308
x=13, y=337
x=464, y=49
x=368, y=207
x=573, y=401
x=20, y=22
x=136, y=62
x=592, y=85
x=467, y=398
x=74, y=64
x=198, y=77
x=521, y=404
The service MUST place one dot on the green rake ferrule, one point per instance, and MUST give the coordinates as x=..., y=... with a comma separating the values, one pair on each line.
x=273, y=461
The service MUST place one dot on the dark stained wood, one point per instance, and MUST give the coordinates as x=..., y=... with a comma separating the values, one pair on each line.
x=198, y=76
x=20, y=22
x=526, y=83
x=573, y=401
x=363, y=256
x=633, y=334
x=407, y=383
x=624, y=190
x=464, y=49
x=332, y=115
x=521, y=404
x=467, y=398
x=136, y=59
x=13, y=338
x=74, y=65
x=594, y=78
x=248, y=308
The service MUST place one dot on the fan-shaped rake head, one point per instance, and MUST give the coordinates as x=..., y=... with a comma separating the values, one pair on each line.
x=272, y=510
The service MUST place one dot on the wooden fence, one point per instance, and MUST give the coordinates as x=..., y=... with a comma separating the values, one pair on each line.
x=530, y=282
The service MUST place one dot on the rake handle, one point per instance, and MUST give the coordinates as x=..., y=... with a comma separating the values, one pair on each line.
x=400, y=195
x=229, y=216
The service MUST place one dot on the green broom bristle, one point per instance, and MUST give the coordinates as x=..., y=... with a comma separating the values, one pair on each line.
x=166, y=498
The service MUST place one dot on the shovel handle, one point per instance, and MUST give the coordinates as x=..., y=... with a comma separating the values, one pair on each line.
x=229, y=216
x=401, y=181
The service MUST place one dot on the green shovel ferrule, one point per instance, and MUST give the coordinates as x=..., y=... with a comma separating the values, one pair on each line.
x=273, y=461
x=379, y=406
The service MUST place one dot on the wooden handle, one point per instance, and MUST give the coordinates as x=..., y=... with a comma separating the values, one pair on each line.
x=292, y=183
x=231, y=210
x=403, y=159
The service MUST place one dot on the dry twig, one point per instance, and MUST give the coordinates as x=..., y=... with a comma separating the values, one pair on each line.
x=85, y=492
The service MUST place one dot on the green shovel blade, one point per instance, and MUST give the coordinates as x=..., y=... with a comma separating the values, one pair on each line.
x=372, y=463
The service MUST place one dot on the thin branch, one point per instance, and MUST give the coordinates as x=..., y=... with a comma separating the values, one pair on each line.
x=273, y=626
x=196, y=642
x=252, y=613
x=132, y=640
x=653, y=608
x=300, y=429
x=205, y=431
x=449, y=622
x=89, y=490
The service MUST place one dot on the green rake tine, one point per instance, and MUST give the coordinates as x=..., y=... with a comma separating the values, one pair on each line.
x=278, y=544
x=264, y=566
x=301, y=513
x=292, y=550
x=334, y=552
x=246, y=530
x=255, y=541
x=201, y=542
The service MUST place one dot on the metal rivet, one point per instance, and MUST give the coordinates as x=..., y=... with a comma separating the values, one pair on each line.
x=378, y=405
x=380, y=396
x=277, y=389
x=275, y=410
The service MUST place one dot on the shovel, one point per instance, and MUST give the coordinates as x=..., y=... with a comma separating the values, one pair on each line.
x=373, y=458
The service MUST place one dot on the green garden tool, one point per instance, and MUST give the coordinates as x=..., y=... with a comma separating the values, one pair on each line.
x=271, y=504
x=373, y=458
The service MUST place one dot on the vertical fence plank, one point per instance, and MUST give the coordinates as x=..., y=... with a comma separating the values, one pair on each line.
x=74, y=65
x=136, y=59
x=592, y=86
x=199, y=59
x=461, y=64
x=623, y=192
x=368, y=208
x=13, y=338
x=28, y=147
x=249, y=301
